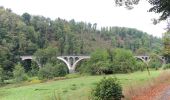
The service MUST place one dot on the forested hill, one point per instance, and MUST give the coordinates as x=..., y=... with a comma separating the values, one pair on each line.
x=24, y=35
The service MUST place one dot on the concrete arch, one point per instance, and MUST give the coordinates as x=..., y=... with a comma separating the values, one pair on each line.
x=145, y=59
x=72, y=61
x=30, y=58
x=139, y=59
x=163, y=59
x=74, y=65
x=65, y=60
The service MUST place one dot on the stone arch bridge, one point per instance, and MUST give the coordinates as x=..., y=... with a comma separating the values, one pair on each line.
x=71, y=61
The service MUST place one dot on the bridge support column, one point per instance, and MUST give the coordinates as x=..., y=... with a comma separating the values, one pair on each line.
x=71, y=70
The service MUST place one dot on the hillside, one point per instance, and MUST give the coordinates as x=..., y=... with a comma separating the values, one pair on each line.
x=24, y=35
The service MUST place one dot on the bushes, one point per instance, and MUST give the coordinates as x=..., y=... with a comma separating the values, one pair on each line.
x=19, y=73
x=1, y=76
x=166, y=66
x=50, y=71
x=123, y=61
x=155, y=64
x=107, y=89
x=110, y=61
x=140, y=66
x=155, y=61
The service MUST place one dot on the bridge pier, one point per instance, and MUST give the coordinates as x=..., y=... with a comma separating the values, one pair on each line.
x=71, y=70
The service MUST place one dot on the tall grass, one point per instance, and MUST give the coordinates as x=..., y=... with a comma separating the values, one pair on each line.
x=136, y=89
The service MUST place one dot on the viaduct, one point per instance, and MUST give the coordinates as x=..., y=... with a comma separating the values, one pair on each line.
x=71, y=61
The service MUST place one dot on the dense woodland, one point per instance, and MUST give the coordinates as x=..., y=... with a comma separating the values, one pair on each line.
x=45, y=38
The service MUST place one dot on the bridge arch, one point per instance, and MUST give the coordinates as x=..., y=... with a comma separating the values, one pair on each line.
x=147, y=59
x=144, y=59
x=71, y=61
x=23, y=58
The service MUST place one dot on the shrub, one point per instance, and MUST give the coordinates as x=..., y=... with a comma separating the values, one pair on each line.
x=19, y=73
x=107, y=89
x=166, y=66
x=155, y=64
x=124, y=62
x=49, y=71
x=140, y=66
x=46, y=72
x=1, y=76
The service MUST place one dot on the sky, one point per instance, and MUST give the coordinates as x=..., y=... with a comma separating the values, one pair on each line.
x=102, y=12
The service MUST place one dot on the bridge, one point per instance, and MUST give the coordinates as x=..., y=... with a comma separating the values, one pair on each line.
x=146, y=59
x=71, y=61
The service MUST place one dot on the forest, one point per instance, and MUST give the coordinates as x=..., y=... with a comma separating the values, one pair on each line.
x=45, y=38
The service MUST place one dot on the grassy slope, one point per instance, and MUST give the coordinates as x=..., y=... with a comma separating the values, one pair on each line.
x=69, y=89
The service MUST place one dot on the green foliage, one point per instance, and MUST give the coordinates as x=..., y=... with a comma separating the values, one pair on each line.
x=107, y=89
x=166, y=66
x=1, y=76
x=158, y=6
x=166, y=41
x=99, y=55
x=142, y=51
x=26, y=18
x=108, y=62
x=156, y=64
x=50, y=71
x=46, y=55
x=34, y=69
x=83, y=91
x=46, y=39
x=19, y=73
x=140, y=66
x=98, y=64
x=124, y=62
x=155, y=61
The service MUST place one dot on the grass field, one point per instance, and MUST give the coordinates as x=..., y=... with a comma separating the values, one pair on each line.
x=69, y=89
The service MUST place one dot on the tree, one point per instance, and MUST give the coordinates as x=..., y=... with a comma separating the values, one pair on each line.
x=1, y=76
x=142, y=51
x=26, y=18
x=29, y=34
x=99, y=63
x=158, y=6
x=47, y=55
x=166, y=41
x=19, y=73
x=123, y=61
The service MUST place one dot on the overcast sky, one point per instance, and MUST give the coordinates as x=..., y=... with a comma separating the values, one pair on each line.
x=102, y=12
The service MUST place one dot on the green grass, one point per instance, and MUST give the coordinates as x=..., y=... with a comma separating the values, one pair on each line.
x=69, y=89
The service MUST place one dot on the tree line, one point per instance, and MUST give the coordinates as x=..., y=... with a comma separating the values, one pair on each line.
x=45, y=38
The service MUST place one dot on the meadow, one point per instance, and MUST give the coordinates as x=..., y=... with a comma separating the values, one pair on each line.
x=69, y=89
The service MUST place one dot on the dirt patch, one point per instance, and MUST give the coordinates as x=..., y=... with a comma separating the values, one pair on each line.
x=155, y=93
x=154, y=89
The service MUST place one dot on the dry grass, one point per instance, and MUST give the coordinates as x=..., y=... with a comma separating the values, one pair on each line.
x=136, y=89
